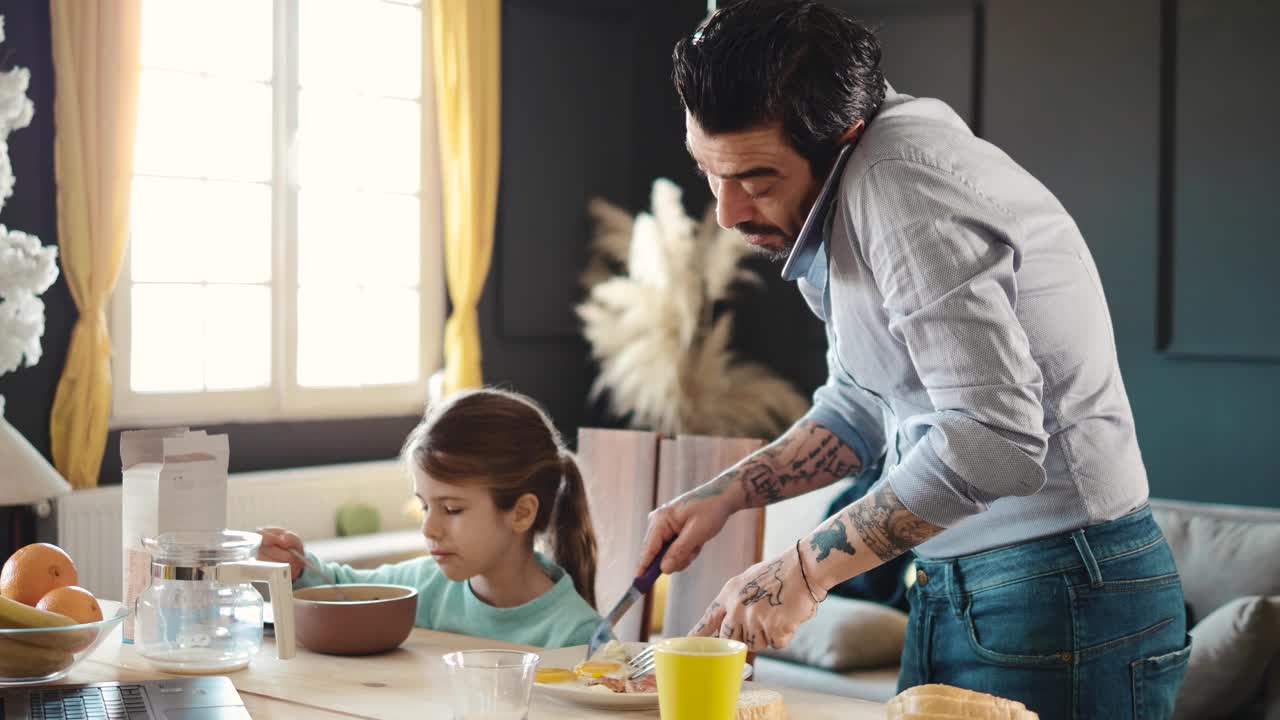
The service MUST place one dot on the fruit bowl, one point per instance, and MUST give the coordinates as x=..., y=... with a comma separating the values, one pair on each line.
x=38, y=655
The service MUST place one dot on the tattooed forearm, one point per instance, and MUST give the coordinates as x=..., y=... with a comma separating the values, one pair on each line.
x=766, y=586
x=808, y=456
x=712, y=489
x=886, y=525
x=831, y=538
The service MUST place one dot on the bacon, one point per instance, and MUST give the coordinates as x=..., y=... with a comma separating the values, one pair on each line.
x=618, y=685
x=644, y=684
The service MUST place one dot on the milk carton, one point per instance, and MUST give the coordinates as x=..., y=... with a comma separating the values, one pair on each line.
x=174, y=479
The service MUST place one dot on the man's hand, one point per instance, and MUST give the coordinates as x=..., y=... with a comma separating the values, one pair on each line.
x=762, y=607
x=275, y=547
x=692, y=519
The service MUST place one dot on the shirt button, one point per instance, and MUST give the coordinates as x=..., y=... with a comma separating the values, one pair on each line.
x=922, y=578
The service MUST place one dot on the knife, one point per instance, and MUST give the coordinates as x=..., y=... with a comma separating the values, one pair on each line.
x=639, y=588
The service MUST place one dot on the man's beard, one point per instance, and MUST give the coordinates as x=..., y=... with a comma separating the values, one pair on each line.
x=775, y=254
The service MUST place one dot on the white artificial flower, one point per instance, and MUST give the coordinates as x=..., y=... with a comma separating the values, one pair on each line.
x=26, y=269
x=6, y=174
x=26, y=266
x=16, y=109
x=21, y=325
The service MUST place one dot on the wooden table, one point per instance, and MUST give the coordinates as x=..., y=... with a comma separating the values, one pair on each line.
x=410, y=682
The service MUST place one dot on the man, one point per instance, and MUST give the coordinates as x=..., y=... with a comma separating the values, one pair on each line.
x=970, y=341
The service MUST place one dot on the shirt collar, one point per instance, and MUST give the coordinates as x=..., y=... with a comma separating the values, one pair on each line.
x=813, y=232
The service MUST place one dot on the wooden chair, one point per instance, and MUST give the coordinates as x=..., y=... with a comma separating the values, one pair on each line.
x=685, y=463
x=619, y=468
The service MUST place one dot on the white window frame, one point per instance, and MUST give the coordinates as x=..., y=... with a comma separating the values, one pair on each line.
x=285, y=399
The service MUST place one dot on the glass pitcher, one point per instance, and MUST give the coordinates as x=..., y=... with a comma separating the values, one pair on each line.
x=201, y=615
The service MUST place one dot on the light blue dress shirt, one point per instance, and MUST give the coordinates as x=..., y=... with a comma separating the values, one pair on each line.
x=969, y=338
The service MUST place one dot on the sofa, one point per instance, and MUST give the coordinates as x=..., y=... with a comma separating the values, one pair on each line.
x=1229, y=559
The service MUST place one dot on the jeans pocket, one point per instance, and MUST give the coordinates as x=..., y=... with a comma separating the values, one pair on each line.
x=1156, y=681
x=1022, y=625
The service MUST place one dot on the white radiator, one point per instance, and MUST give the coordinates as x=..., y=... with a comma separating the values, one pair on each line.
x=304, y=500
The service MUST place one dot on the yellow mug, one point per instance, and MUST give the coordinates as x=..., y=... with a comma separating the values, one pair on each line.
x=699, y=678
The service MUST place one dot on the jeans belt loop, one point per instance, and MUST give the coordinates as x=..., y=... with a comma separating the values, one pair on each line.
x=1086, y=554
x=955, y=592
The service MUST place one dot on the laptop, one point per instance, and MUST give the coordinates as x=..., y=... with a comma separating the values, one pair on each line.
x=193, y=698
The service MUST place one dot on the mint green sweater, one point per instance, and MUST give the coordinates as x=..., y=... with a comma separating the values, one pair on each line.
x=557, y=618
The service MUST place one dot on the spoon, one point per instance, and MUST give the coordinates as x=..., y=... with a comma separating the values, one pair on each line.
x=337, y=589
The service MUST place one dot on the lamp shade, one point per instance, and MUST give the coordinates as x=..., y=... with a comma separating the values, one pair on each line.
x=26, y=477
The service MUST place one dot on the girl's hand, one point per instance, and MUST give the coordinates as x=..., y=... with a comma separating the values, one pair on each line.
x=762, y=607
x=276, y=544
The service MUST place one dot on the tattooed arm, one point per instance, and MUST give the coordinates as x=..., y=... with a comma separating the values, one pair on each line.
x=765, y=605
x=807, y=457
x=869, y=532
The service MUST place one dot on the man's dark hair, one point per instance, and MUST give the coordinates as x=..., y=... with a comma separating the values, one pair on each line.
x=811, y=67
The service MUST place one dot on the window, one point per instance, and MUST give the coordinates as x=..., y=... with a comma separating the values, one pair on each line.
x=284, y=256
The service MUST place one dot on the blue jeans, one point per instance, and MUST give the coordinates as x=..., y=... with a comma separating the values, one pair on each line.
x=1087, y=624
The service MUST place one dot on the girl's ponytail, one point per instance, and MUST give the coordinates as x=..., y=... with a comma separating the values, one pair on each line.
x=573, y=539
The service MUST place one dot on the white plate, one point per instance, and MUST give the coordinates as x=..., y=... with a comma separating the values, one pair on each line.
x=580, y=694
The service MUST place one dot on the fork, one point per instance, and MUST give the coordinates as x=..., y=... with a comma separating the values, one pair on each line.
x=643, y=663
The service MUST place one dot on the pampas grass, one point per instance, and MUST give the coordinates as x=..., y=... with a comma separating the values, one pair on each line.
x=665, y=364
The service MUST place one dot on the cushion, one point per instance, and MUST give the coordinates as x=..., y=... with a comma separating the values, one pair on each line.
x=847, y=635
x=1231, y=650
x=1223, y=552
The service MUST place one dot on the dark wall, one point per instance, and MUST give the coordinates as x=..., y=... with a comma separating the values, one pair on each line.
x=586, y=111
x=1146, y=118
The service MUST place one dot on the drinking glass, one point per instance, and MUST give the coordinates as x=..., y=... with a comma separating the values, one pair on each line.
x=491, y=684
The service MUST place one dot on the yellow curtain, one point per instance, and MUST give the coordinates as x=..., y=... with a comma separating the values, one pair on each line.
x=95, y=58
x=465, y=39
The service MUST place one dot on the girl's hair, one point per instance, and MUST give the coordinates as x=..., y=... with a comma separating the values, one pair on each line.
x=505, y=442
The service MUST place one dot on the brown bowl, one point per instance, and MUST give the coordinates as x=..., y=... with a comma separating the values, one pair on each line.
x=354, y=619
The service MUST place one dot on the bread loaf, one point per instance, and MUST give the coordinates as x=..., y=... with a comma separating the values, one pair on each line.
x=944, y=702
x=757, y=704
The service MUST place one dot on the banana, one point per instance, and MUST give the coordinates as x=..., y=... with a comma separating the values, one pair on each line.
x=20, y=660
x=16, y=615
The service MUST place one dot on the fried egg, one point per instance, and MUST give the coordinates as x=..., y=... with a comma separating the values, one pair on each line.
x=554, y=675
x=596, y=668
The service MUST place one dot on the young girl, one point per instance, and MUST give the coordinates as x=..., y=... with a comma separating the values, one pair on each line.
x=491, y=474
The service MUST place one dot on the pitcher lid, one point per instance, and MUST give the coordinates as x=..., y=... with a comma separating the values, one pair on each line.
x=202, y=547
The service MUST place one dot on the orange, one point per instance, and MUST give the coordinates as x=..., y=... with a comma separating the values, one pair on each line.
x=76, y=603
x=35, y=570
x=73, y=601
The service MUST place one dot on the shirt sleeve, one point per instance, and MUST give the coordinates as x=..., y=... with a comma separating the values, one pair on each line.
x=849, y=412
x=415, y=573
x=945, y=260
